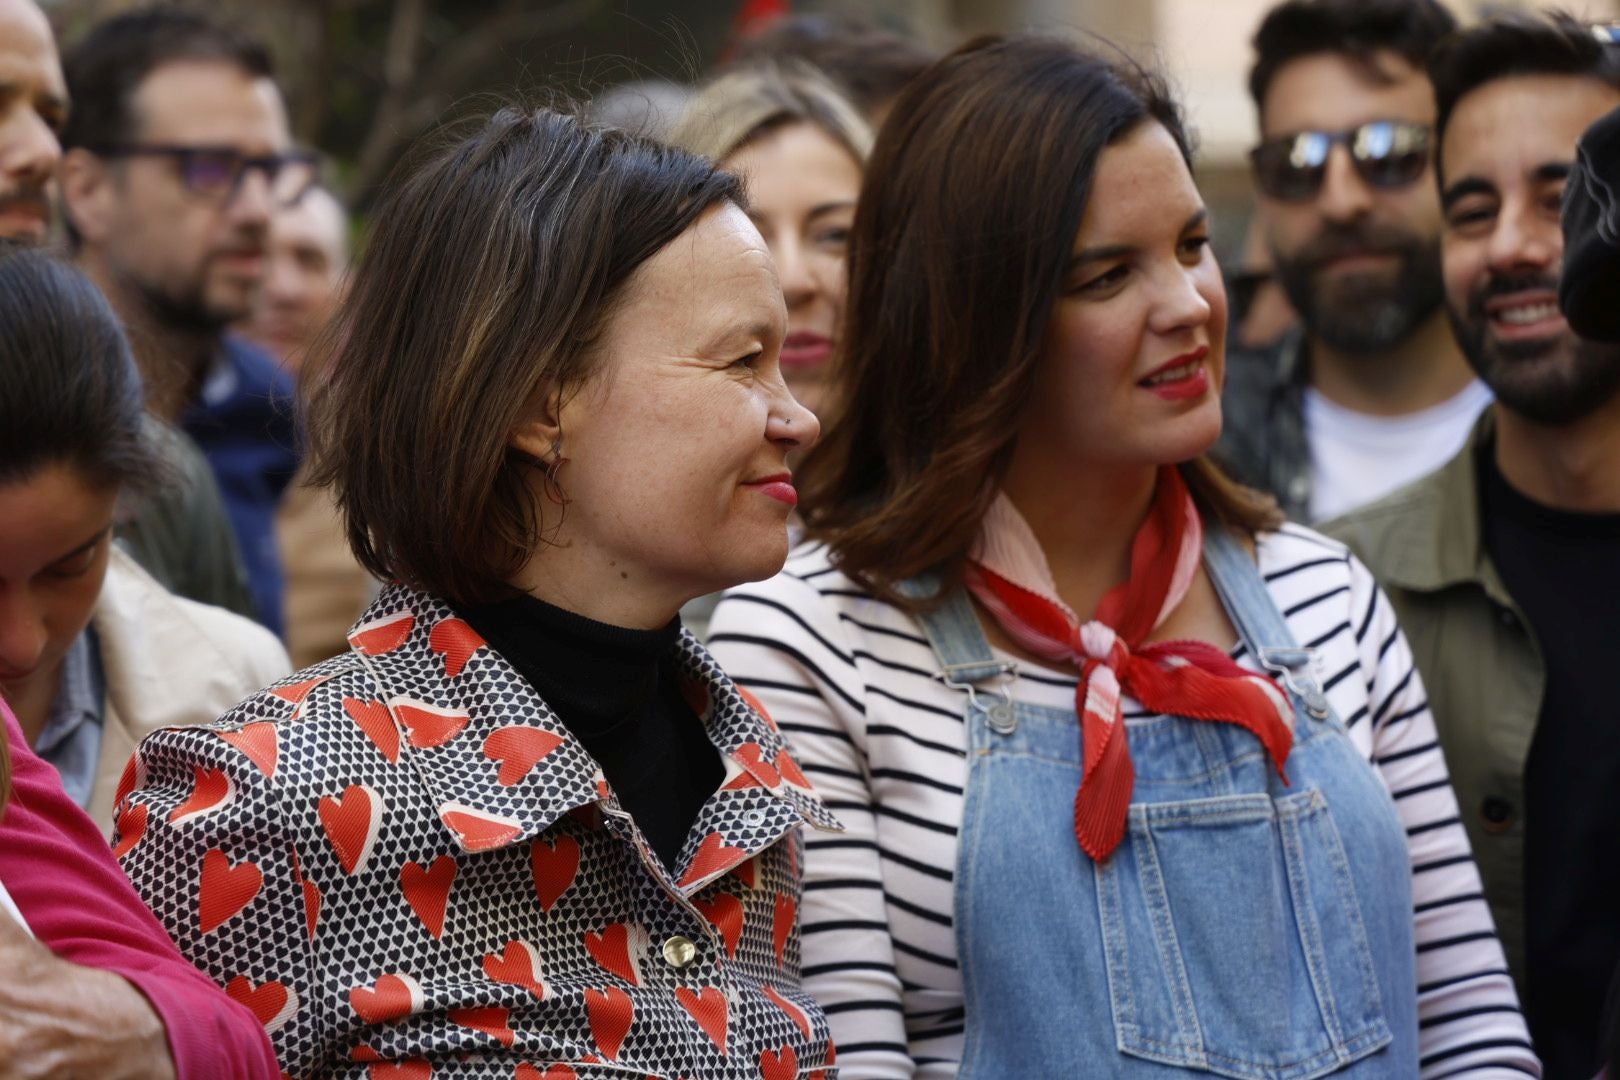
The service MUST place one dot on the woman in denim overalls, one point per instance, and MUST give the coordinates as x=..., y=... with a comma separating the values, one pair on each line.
x=1183, y=864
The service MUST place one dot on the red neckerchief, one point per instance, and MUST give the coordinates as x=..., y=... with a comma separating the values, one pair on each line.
x=1009, y=575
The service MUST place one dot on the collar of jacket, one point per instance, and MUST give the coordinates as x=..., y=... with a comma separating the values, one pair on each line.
x=1444, y=537
x=499, y=764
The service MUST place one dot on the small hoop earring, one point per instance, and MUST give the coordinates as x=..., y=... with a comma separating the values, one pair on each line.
x=554, y=491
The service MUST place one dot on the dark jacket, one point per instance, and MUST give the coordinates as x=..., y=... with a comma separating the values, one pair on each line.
x=1476, y=652
x=1263, y=440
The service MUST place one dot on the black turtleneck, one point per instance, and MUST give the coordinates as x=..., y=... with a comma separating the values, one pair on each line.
x=618, y=692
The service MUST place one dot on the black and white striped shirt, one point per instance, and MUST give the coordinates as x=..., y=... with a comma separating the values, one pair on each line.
x=849, y=680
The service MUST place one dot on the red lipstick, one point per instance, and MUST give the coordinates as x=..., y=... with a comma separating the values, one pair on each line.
x=778, y=486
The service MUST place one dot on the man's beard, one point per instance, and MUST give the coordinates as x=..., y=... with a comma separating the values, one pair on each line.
x=1363, y=313
x=1552, y=382
x=185, y=307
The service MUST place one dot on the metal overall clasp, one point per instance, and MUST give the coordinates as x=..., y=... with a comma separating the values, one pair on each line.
x=999, y=714
x=1296, y=667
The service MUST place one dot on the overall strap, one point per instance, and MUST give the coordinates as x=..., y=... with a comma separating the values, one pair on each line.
x=953, y=632
x=1250, y=607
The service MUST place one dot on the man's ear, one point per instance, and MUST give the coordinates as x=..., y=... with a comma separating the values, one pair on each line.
x=87, y=194
x=538, y=434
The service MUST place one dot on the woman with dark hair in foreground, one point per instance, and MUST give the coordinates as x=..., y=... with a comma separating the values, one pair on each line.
x=525, y=826
x=89, y=983
x=1139, y=780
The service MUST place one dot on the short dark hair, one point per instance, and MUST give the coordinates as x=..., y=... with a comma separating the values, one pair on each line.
x=70, y=392
x=107, y=67
x=957, y=258
x=1516, y=43
x=489, y=275
x=870, y=65
x=1355, y=29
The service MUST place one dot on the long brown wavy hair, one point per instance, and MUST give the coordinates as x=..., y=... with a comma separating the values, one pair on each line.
x=962, y=235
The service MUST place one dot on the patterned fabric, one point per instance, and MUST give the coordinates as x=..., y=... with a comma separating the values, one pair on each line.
x=403, y=863
x=1010, y=576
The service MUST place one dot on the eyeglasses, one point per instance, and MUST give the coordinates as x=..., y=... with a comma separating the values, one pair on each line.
x=1385, y=153
x=216, y=172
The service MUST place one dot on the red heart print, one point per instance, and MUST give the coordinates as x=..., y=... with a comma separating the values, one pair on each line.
x=491, y=1020
x=296, y=692
x=737, y=777
x=224, y=890
x=708, y=1008
x=428, y=891
x=258, y=742
x=312, y=904
x=134, y=776
x=611, y=1013
x=364, y=1053
x=754, y=703
x=747, y=872
x=211, y=791
x=752, y=757
x=392, y=997
x=456, y=641
x=426, y=725
x=525, y=1071
x=712, y=857
x=351, y=822
x=413, y=1069
x=375, y=720
x=383, y=635
x=787, y=911
x=519, y=747
x=790, y=771
x=271, y=1002
x=519, y=965
x=477, y=830
x=617, y=951
x=796, y=1014
x=782, y=1064
x=726, y=913
x=131, y=827
x=555, y=865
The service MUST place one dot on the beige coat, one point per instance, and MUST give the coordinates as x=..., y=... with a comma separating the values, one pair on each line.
x=168, y=661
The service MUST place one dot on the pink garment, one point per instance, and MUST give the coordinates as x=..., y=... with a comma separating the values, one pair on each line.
x=63, y=877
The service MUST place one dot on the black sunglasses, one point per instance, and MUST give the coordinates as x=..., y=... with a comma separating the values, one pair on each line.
x=216, y=172
x=1385, y=153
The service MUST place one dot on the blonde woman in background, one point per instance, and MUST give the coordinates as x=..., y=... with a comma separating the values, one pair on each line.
x=801, y=147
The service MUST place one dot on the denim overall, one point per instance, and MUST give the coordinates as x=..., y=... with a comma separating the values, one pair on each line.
x=1242, y=928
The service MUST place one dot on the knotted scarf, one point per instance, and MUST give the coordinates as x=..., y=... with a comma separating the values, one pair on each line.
x=1009, y=575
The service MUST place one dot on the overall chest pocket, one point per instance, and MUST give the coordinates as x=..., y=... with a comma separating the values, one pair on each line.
x=1235, y=942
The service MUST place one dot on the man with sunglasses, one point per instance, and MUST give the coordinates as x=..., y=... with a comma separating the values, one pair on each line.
x=1370, y=391
x=1505, y=564
x=177, y=153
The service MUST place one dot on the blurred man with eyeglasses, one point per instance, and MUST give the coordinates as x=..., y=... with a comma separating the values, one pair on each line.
x=177, y=152
x=1505, y=564
x=1370, y=391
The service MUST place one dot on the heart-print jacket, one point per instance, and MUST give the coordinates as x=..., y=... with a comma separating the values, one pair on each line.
x=406, y=866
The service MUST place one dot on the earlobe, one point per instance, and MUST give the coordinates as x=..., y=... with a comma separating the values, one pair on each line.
x=538, y=435
x=84, y=185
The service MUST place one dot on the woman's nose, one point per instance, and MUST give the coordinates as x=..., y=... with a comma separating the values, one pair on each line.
x=23, y=634
x=791, y=425
x=793, y=270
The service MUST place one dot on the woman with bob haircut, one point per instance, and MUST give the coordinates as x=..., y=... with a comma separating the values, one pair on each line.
x=525, y=822
x=91, y=651
x=1138, y=779
x=799, y=146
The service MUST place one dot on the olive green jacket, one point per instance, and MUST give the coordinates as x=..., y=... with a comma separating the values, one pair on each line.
x=1479, y=660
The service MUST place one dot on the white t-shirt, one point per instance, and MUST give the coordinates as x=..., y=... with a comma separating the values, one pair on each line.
x=1356, y=458
x=9, y=907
